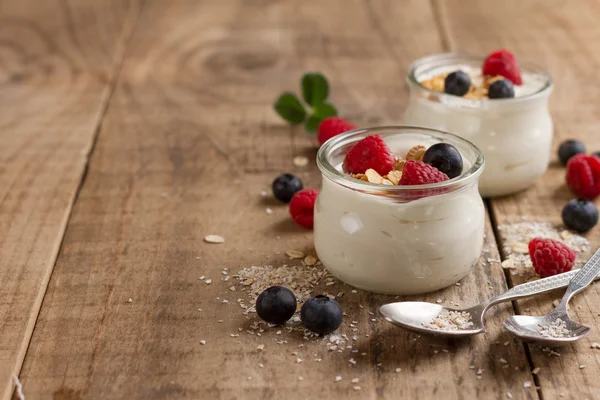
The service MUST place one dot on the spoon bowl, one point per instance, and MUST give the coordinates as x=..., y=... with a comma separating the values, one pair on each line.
x=556, y=327
x=417, y=316
x=530, y=329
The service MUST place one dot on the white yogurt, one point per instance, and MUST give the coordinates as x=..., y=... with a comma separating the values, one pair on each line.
x=370, y=237
x=515, y=135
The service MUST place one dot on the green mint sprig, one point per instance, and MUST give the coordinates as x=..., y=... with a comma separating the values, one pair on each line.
x=315, y=90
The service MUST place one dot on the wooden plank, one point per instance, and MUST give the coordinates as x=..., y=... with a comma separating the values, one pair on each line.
x=56, y=62
x=187, y=146
x=562, y=39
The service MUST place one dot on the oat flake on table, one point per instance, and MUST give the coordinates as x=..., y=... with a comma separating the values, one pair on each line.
x=216, y=239
x=516, y=237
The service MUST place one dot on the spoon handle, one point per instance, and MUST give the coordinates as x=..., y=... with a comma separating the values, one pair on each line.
x=581, y=280
x=539, y=286
x=587, y=273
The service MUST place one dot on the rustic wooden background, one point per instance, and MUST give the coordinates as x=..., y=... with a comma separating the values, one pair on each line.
x=130, y=129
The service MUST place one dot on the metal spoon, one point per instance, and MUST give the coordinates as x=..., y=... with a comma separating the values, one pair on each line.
x=417, y=315
x=557, y=327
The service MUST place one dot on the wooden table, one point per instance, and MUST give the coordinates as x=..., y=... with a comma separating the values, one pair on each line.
x=131, y=129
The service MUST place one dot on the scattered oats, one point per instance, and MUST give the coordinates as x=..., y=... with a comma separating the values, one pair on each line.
x=234, y=335
x=354, y=291
x=300, y=161
x=278, y=333
x=509, y=395
x=357, y=388
x=295, y=254
x=355, y=380
x=216, y=239
x=519, y=263
x=520, y=248
x=225, y=301
x=338, y=378
x=394, y=177
x=352, y=361
x=249, y=378
x=527, y=384
x=220, y=321
x=535, y=370
x=208, y=281
x=201, y=278
x=310, y=260
x=556, y=329
x=300, y=279
x=261, y=366
x=268, y=211
x=439, y=301
x=330, y=284
x=130, y=300
x=506, y=343
x=398, y=370
x=299, y=360
x=581, y=366
x=595, y=345
x=203, y=342
x=479, y=371
x=232, y=288
x=503, y=361
x=566, y=235
x=451, y=320
x=416, y=153
x=264, y=193
x=373, y=176
x=300, y=378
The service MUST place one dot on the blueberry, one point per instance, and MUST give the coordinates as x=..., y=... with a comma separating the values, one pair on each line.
x=581, y=215
x=446, y=158
x=501, y=89
x=321, y=315
x=568, y=149
x=276, y=305
x=457, y=83
x=285, y=186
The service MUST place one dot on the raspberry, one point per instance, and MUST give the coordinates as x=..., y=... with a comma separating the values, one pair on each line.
x=331, y=127
x=583, y=175
x=370, y=152
x=302, y=207
x=503, y=62
x=419, y=173
x=550, y=257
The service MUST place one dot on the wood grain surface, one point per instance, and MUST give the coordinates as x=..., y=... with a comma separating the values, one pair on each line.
x=565, y=49
x=56, y=63
x=175, y=100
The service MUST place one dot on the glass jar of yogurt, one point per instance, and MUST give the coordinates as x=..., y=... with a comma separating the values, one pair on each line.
x=514, y=134
x=398, y=239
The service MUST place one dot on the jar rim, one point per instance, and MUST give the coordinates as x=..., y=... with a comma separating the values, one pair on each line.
x=350, y=137
x=411, y=79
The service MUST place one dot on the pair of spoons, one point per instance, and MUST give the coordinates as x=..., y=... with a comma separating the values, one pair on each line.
x=417, y=316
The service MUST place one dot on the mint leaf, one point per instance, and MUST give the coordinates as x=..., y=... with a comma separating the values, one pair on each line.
x=312, y=123
x=289, y=108
x=324, y=110
x=315, y=88
x=320, y=112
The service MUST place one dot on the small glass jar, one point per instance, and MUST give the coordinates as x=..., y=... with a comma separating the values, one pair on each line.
x=515, y=134
x=398, y=239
